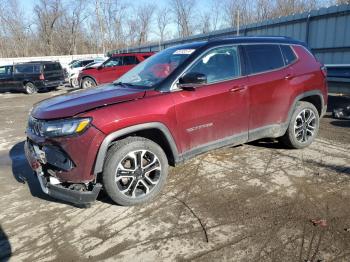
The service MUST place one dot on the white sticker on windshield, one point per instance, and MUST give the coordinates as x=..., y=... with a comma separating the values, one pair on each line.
x=184, y=51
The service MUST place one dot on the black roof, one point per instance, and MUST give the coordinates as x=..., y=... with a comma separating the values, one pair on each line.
x=243, y=40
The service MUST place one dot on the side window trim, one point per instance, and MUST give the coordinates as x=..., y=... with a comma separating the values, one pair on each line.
x=210, y=50
x=285, y=58
x=174, y=88
x=266, y=71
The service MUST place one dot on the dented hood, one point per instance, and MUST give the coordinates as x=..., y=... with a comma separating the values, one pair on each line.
x=74, y=103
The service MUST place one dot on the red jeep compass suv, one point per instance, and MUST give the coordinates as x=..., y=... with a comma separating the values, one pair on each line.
x=111, y=69
x=179, y=103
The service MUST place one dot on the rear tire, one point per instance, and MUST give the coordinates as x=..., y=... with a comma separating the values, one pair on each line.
x=135, y=171
x=303, y=126
x=88, y=82
x=30, y=88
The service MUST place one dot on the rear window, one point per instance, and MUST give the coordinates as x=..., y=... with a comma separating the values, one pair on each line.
x=52, y=67
x=27, y=69
x=288, y=54
x=263, y=58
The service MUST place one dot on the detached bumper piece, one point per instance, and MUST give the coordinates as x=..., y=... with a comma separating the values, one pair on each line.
x=69, y=195
x=50, y=185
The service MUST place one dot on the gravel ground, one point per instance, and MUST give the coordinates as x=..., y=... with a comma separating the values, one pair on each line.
x=255, y=202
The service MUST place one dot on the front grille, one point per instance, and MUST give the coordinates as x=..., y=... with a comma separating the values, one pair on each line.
x=35, y=126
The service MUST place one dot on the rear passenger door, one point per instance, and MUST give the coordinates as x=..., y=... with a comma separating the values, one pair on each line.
x=269, y=88
x=128, y=63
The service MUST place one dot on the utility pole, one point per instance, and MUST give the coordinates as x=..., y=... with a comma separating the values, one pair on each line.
x=237, y=22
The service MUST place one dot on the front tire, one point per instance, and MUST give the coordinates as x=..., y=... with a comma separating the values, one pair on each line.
x=30, y=88
x=135, y=171
x=88, y=82
x=303, y=126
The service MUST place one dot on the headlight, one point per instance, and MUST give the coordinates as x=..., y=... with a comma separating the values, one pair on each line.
x=58, y=128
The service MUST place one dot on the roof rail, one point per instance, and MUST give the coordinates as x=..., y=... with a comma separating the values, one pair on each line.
x=214, y=38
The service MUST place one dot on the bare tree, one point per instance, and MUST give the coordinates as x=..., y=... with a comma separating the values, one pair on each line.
x=47, y=14
x=101, y=25
x=144, y=19
x=109, y=17
x=94, y=26
x=235, y=10
x=264, y=10
x=15, y=29
x=132, y=34
x=163, y=20
x=215, y=13
x=183, y=11
x=74, y=19
x=288, y=7
x=204, y=23
x=209, y=20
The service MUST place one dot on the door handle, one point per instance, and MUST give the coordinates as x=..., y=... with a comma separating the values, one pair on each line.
x=288, y=77
x=238, y=88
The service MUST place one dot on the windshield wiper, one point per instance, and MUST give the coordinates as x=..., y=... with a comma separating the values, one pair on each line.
x=122, y=84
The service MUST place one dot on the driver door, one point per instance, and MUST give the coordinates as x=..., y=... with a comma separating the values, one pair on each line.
x=109, y=72
x=6, y=78
x=216, y=113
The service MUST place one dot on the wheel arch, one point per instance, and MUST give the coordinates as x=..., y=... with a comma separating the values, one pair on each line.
x=155, y=131
x=314, y=97
x=316, y=100
x=24, y=82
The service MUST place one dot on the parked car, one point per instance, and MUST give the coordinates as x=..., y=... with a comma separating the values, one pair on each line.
x=78, y=65
x=111, y=69
x=181, y=102
x=73, y=79
x=31, y=77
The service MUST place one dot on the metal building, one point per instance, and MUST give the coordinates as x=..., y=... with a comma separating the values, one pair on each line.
x=326, y=31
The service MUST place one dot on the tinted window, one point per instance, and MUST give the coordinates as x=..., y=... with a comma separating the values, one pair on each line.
x=288, y=54
x=130, y=60
x=114, y=61
x=219, y=64
x=76, y=64
x=86, y=62
x=52, y=67
x=263, y=57
x=27, y=69
x=5, y=71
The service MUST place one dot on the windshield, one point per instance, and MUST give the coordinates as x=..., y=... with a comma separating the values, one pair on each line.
x=156, y=68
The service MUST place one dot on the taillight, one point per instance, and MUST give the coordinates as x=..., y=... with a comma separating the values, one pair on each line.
x=42, y=77
x=324, y=71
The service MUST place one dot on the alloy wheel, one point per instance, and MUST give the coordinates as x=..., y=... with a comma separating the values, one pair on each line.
x=88, y=83
x=305, y=126
x=138, y=173
x=30, y=88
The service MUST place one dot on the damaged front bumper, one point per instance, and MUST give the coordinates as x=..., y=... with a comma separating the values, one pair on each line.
x=51, y=185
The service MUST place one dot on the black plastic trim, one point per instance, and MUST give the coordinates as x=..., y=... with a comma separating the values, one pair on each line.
x=227, y=141
x=73, y=196
x=101, y=155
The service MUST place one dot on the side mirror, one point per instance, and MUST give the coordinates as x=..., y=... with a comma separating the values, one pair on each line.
x=100, y=67
x=192, y=80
